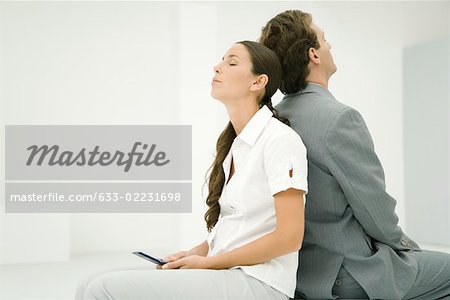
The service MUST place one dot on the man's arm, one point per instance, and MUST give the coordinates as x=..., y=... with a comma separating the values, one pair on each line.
x=355, y=165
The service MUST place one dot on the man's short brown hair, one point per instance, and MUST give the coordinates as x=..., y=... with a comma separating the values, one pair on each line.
x=290, y=36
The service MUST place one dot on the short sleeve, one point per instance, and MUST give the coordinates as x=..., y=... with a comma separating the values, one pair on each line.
x=211, y=236
x=284, y=153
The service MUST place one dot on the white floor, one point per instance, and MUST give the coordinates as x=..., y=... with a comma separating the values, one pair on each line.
x=59, y=280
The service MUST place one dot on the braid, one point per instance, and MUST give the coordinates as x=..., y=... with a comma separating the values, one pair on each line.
x=216, y=178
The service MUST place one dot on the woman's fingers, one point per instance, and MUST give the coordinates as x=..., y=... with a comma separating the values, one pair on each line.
x=176, y=256
x=173, y=265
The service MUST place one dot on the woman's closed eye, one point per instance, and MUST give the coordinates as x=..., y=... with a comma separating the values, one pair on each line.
x=232, y=63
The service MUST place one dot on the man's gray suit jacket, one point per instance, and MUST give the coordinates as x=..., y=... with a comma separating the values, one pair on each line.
x=349, y=216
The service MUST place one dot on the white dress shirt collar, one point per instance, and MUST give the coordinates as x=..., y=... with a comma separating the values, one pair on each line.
x=255, y=126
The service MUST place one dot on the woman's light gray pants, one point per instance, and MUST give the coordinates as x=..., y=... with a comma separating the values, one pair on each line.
x=176, y=284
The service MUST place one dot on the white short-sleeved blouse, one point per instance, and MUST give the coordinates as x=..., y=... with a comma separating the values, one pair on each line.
x=263, y=154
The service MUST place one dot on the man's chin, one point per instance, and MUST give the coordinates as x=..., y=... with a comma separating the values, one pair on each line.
x=333, y=71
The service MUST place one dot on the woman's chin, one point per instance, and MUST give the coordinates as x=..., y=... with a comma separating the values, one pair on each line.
x=215, y=96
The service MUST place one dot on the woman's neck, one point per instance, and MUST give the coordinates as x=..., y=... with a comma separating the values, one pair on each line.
x=240, y=113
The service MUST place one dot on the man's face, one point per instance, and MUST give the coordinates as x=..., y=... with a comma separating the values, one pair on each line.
x=324, y=51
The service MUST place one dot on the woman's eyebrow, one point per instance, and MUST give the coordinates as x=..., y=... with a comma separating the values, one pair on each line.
x=230, y=56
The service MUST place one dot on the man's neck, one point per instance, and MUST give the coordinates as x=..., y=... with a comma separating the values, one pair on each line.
x=320, y=84
x=317, y=79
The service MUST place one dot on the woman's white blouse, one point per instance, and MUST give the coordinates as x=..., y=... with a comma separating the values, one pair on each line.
x=263, y=154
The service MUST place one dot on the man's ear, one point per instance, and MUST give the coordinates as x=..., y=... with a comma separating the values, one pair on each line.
x=260, y=83
x=313, y=55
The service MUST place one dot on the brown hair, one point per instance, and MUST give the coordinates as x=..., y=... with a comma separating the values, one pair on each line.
x=264, y=61
x=290, y=36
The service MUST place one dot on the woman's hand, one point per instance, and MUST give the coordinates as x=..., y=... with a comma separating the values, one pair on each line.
x=175, y=256
x=188, y=262
x=178, y=255
x=200, y=250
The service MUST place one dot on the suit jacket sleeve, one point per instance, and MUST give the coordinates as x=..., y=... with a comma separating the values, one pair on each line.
x=354, y=164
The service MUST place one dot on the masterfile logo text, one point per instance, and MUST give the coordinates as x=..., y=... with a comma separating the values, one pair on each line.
x=100, y=168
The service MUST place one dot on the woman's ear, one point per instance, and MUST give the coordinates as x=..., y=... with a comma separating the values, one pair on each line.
x=313, y=55
x=260, y=83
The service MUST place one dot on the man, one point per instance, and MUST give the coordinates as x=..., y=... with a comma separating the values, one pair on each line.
x=353, y=247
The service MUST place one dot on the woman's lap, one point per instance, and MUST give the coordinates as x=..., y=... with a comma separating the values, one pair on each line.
x=176, y=284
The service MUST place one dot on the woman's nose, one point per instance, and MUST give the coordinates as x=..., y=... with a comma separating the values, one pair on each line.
x=216, y=69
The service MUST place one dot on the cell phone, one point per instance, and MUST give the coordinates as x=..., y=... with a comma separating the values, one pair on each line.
x=154, y=260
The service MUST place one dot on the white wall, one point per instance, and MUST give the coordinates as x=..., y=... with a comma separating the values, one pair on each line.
x=87, y=63
x=151, y=63
x=427, y=131
x=197, y=56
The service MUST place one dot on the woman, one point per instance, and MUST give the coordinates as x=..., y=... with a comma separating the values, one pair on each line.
x=256, y=198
